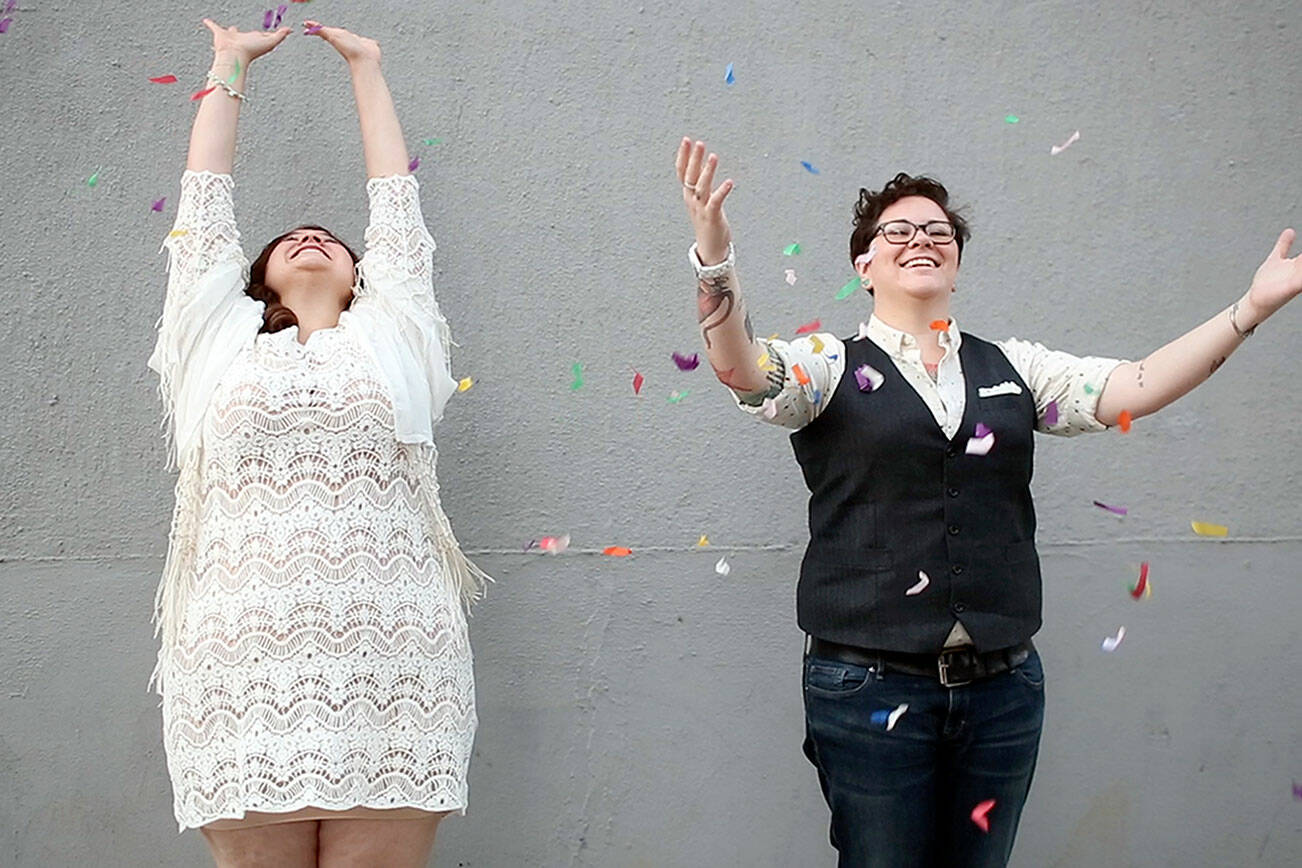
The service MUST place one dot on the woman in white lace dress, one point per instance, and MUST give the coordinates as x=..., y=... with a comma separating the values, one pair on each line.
x=315, y=669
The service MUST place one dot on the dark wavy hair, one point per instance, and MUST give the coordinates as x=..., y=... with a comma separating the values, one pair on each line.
x=871, y=204
x=277, y=316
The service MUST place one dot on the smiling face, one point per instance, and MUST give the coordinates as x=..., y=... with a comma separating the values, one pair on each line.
x=924, y=266
x=310, y=256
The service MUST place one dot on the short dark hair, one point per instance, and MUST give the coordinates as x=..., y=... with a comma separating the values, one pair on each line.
x=275, y=315
x=871, y=204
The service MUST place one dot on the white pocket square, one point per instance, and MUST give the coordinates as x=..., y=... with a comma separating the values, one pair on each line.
x=1007, y=387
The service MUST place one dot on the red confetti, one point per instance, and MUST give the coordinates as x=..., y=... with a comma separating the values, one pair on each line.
x=979, y=814
x=1124, y=420
x=164, y=79
x=203, y=93
x=939, y=325
x=1138, y=590
x=810, y=327
x=638, y=380
x=617, y=551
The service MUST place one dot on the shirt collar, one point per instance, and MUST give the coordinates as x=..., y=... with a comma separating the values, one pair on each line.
x=892, y=339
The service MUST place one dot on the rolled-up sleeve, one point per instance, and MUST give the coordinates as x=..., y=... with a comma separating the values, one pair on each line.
x=804, y=373
x=1072, y=384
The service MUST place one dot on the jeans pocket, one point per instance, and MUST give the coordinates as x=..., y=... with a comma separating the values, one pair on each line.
x=1030, y=672
x=833, y=677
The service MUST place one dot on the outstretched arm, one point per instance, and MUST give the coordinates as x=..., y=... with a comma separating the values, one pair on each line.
x=1168, y=373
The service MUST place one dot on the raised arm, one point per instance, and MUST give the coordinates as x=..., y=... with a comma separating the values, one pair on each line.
x=1172, y=371
x=729, y=339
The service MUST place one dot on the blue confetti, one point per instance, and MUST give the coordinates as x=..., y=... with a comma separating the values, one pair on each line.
x=809, y=167
x=879, y=718
x=728, y=77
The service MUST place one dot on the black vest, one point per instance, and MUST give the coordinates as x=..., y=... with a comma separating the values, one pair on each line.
x=890, y=496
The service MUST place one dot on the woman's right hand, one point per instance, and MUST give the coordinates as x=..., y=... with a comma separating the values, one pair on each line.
x=704, y=206
x=246, y=44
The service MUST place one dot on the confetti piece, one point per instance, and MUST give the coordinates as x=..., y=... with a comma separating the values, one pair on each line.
x=530, y=544
x=1203, y=528
x=676, y=397
x=266, y=19
x=617, y=551
x=177, y=233
x=464, y=383
x=980, y=814
x=1297, y=791
x=816, y=342
x=869, y=378
x=728, y=77
x=770, y=408
x=314, y=29
x=9, y=6
x=93, y=179
x=809, y=167
x=923, y=581
x=1124, y=421
x=1051, y=413
x=1115, y=510
x=638, y=380
x=848, y=290
x=158, y=205
x=236, y=73
x=809, y=327
x=164, y=79
x=577, y=370
x=1089, y=390
x=1142, y=585
x=1111, y=642
x=1012, y=119
x=791, y=249
x=687, y=363
x=280, y=12
x=981, y=429
x=554, y=545
x=201, y=94
x=762, y=361
x=939, y=325
x=801, y=377
x=703, y=541
x=980, y=445
x=414, y=164
x=722, y=567
x=866, y=257
x=432, y=142
x=791, y=277
x=863, y=331
x=1058, y=149
x=888, y=719
x=4, y=24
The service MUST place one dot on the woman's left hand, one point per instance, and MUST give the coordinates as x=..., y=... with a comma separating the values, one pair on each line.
x=351, y=47
x=1278, y=280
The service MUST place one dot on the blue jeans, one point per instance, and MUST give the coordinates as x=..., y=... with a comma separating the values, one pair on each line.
x=905, y=797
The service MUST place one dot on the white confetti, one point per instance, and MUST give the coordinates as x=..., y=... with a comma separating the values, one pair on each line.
x=863, y=331
x=791, y=277
x=980, y=445
x=723, y=567
x=865, y=258
x=554, y=544
x=923, y=581
x=1058, y=149
x=1111, y=642
x=770, y=408
x=896, y=715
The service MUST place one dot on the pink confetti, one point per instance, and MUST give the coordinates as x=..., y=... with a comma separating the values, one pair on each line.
x=980, y=814
x=414, y=164
x=638, y=380
x=810, y=327
x=981, y=429
x=1116, y=510
x=1058, y=149
x=554, y=545
x=1051, y=413
x=158, y=206
x=687, y=363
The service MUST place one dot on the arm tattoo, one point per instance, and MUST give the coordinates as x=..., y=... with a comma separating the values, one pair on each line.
x=1216, y=364
x=712, y=295
x=1141, y=373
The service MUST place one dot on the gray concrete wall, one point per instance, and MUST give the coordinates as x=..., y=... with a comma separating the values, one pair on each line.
x=646, y=711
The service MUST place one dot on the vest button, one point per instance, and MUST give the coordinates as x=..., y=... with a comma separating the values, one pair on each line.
x=953, y=492
x=959, y=607
x=957, y=569
x=951, y=452
x=953, y=530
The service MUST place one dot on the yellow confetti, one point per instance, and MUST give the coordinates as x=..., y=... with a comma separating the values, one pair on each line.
x=1203, y=528
x=464, y=383
x=762, y=360
x=773, y=337
x=703, y=541
x=177, y=233
x=818, y=344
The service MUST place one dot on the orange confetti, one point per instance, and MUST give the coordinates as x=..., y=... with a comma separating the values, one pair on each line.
x=939, y=325
x=801, y=377
x=617, y=551
x=1124, y=421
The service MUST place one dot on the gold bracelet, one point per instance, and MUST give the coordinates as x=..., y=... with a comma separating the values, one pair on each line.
x=1234, y=325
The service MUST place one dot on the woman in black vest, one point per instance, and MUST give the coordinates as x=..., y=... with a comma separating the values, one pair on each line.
x=920, y=587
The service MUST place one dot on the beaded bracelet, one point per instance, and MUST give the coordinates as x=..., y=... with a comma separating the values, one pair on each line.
x=214, y=80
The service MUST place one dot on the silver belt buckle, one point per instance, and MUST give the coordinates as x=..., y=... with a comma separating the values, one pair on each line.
x=942, y=666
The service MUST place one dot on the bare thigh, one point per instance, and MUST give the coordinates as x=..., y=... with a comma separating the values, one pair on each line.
x=291, y=845
x=366, y=843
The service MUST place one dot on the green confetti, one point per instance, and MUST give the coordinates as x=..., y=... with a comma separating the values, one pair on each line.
x=791, y=250
x=433, y=141
x=1089, y=390
x=93, y=179
x=677, y=397
x=236, y=73
x=577, y=370
x=1012, y=119
x=849, y=288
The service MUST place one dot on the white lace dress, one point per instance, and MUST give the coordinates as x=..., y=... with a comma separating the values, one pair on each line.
x=315, y=646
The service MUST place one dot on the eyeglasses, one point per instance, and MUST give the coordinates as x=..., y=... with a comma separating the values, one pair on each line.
x=902, y=231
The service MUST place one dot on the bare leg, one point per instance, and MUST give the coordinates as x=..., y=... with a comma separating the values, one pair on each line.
x=282, y=845
x=365, y=843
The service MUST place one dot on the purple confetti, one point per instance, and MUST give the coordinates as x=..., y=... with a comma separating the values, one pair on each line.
x=868, y=378
x=1051, y=413
x=315, y=28
x=1297, y=791
x=4, y=24
x=687, y=363
x=9, y=7
x=266, y=19
x=158, y=206
x=1117, y=510
x=280, y=12
x=981, y=430
x=414, y=164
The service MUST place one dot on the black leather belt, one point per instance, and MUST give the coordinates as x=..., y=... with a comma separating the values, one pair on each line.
x=953, y=668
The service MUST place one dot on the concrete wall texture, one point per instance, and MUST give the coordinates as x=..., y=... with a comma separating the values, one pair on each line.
x=646, y=711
